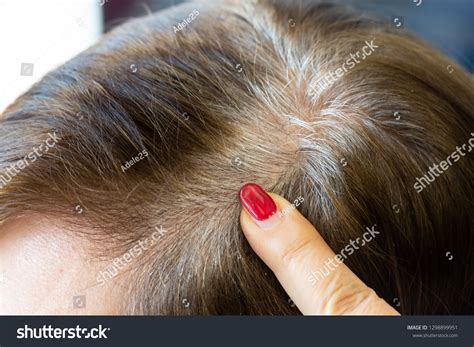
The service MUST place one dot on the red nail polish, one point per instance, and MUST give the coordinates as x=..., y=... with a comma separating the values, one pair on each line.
x=257, y=202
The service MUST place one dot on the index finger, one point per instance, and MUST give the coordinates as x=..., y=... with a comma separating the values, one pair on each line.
x=295, y=251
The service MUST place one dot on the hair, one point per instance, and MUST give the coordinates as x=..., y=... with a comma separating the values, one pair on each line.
x=235, y=94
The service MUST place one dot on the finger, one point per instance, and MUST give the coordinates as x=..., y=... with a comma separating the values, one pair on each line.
x=297, y=254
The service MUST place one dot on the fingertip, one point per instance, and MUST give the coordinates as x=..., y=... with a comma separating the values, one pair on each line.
x=261, y=210
x=268, y=237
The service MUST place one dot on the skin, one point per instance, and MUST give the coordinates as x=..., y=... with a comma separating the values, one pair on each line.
x=292, y=248
x=62, y=270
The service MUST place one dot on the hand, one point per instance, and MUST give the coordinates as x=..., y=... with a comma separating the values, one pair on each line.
x=293, y=249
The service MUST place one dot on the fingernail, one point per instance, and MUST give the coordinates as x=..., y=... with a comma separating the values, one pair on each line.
x=257, y=203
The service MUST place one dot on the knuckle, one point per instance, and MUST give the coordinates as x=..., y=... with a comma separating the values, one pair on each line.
x=291, y=255
x=348, y=298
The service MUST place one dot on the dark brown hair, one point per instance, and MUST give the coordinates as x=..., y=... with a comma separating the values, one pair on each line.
x=236, y=95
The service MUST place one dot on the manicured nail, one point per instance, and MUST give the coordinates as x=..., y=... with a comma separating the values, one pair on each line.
x=257, y=202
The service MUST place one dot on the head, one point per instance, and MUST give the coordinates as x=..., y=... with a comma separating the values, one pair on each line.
x=154, y=130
